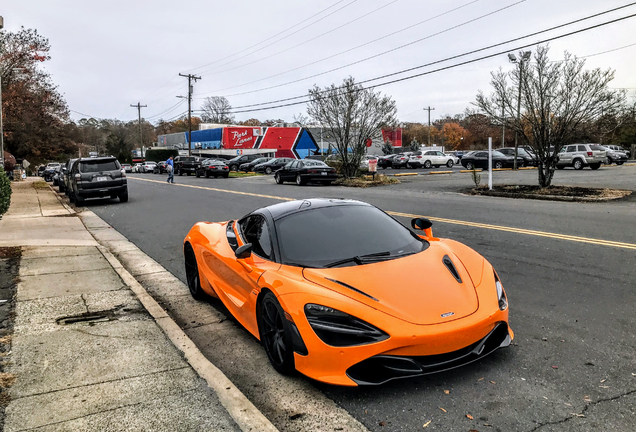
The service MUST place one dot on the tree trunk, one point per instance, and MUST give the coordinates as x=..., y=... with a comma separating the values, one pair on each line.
x=546, y=172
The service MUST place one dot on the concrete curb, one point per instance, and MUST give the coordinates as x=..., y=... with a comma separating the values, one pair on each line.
x=242, y=411
x=66, y=206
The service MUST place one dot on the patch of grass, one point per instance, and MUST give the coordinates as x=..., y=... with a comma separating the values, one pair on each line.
x=366, y=181
x=6, y=379
x=243, y=174
x=40, y=185
x=521, y=191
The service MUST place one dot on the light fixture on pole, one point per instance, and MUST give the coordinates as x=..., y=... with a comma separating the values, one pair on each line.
x=524, y=57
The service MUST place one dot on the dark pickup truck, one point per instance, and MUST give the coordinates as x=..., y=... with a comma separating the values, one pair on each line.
x=186, y=164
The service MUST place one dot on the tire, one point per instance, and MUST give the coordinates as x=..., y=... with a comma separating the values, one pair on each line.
x=620, y=163
x=197, y=174
x=595, y=166
x=427, y=164
x=327, y=182
x=123, y=197
x=300, y=181
x=560, y=167
x=276, y=335
x=278, y=179
x=450, y=164
x=268, y=170
x=577, y=164
x=180, y=172
x=233, y=167
x=498, y=165
x=470, y=166
x=192, y=273
x=207, y=174
x=79, y=201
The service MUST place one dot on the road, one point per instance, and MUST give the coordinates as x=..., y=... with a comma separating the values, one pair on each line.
x=568, y=269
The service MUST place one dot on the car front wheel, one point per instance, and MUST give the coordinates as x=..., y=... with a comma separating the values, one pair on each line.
x=268, y=170
x=498, y=165
x=278, y=179
x=233, y=168
x=470, y=165
x=275, y=332
x=577, y=164
x=427, y=164
x=449, y=164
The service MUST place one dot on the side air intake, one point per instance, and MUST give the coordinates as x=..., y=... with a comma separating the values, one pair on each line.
x=451, y=268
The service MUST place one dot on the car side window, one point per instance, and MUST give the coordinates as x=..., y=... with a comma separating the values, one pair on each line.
x=254, y=229
x=582, y=148
x=571, y=149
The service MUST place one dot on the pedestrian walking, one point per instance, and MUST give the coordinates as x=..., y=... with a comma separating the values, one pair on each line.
x=170, y=169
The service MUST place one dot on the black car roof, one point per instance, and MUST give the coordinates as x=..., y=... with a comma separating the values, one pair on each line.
x=277, y=211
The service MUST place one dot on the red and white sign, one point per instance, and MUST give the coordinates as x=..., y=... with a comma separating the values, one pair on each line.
x=373, y=165
x=239, y=137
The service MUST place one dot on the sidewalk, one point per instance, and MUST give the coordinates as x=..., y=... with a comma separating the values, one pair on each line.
x=85, y=352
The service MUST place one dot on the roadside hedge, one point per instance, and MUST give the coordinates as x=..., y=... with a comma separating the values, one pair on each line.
x=160, y=155
x=5, y=192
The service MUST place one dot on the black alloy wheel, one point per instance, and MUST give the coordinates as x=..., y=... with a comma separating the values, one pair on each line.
x=268, y=170
x=192, y=273
x=278, y=179
x=498, y=165
x=275, y=334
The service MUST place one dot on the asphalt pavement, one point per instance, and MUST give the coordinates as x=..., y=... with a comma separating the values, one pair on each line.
x=568, y=269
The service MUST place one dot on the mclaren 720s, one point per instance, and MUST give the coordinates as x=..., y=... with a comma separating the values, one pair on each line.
x=345, y=294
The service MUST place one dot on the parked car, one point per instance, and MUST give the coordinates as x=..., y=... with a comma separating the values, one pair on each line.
x=400, y=160
x=56, y=175
x=528, y=158
x=186, y=164
x=272, y=165
x=41, y=169
x=97, y=177
x=127, y=167
x=430, y=158
x=236, y=162
x=386, y=161
x=306, y=171
x=49, y=171
x=479, y=159
x=249, y=166
x=615, y=154
x=456, y=159
x=136, y=168
x=147, y=167
x=159, y=168
x=582, y=155
x=213, y=168
x=328, y=311
x=64, y=176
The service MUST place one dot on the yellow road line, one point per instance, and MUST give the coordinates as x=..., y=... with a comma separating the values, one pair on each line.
x=535, y=233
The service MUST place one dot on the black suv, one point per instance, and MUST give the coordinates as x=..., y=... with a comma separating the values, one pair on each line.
x=97, y=178
x=186, y=164
x=236, y=162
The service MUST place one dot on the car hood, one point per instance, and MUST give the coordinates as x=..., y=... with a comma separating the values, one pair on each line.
x=419, y=288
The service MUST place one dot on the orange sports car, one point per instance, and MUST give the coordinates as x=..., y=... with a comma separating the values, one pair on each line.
x=345, y=294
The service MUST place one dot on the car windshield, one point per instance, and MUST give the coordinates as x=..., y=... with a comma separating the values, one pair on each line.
x=98, y=166
x=309, y=163
x=342, y=236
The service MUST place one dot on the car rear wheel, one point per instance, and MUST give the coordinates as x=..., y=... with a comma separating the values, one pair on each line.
x=620, y=163
x=595, y=166
x=300, y=181
x=123, y=197
x=449, y=164
x=470, y=165
x=577, y=164
x=233, y=167
x=278, y=179
x=192, y=273
x=498, y=165
x=268, y=170
x=427, y=164
x=275, y=334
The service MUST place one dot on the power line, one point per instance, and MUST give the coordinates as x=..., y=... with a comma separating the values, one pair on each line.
x=460, y=55
x=271, y=37
x=360, y=46
x=457, y=64
x=172, y=108
x=86, y=115
x=309, y=40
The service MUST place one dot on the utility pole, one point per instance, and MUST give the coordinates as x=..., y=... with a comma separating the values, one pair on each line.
x=139, y=106
x=503, y=122
x=190, y=77
x=429, y=109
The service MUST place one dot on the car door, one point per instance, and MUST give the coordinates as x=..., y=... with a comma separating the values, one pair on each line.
x=566, y=156
x=287, y=172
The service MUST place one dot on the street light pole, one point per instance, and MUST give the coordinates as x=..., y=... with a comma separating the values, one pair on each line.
x=525, y=56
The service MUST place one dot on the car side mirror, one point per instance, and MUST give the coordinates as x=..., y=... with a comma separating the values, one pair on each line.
x=244, y=251
x=422, y=224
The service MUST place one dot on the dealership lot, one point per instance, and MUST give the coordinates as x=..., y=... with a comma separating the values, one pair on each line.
x=571, y=294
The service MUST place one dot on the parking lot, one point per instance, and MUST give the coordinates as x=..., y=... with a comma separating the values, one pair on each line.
x=568, y=269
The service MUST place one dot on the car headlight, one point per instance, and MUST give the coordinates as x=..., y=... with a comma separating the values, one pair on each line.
x=501, y=294
x=339, y=329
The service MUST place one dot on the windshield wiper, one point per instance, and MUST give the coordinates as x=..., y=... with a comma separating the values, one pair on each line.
x=360, y=259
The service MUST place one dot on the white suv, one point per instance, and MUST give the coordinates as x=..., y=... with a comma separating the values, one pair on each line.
x=581, y=155
x=430, y=158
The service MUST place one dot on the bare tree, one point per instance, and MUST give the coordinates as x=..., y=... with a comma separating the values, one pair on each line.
x=217, y=109
x=300, y=119
x=351, y=114
x=556, y=99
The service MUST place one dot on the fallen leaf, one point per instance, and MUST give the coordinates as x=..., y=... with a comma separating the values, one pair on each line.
x=473, y=430
x=446, y=391
x=469, y=416
x=365, y=411
x=427, y=423
x=545, y=398
x=544, y=339
x=603, y=380
x=523, y=379
x=442, y=409
x=492, y=382
x=555, y=367
x=562, y=340
x=567, y=404
x=578, y=415
x=633, y=374
x=483, y=378
x=382, y=424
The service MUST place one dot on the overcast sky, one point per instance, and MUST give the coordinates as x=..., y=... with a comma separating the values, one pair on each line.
x=107, y=55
